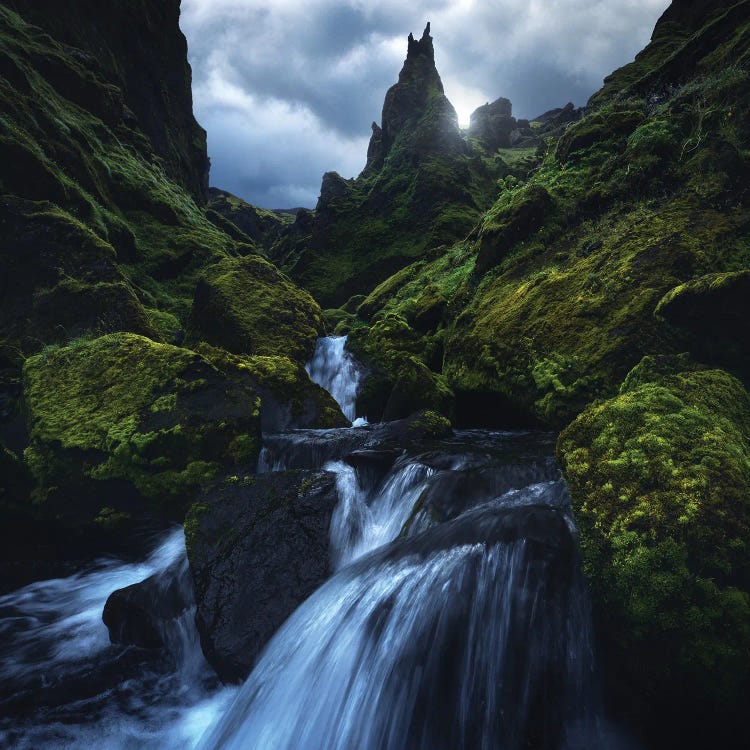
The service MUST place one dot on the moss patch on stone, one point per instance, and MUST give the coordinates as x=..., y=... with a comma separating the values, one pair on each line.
x=246, y=306
x=289, y=399
x=123, y=408
x=660, y=484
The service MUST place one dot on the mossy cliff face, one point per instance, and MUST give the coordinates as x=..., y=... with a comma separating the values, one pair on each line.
x=104, y=230
x=660, y=481
x=92, y=210
x=140, y=49
x=103, y=184
x=125, y=422
x=551, y=299
x=263, y=227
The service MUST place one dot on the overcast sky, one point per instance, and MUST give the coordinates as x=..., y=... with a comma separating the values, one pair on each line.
x=288, y=89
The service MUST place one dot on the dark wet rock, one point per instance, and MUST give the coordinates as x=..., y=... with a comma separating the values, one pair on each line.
x=137, y=615
x=712, y=313
x=560, y=116
x=258, y=547
x=372, y=464
x=288, y=398
x=450, y=492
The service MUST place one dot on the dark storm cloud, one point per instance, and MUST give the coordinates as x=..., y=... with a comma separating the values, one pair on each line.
x=287, y=89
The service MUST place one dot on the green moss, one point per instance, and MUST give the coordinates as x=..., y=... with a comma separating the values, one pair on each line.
x=192, y=523
x=85, y=190
x=109, y=518
x=122, y=407
x=247, y=307
x=283, y=383
x=709, y=314
x=660, y=481
x=430, y=425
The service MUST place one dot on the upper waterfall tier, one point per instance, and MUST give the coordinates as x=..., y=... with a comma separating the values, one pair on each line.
x=333, y=368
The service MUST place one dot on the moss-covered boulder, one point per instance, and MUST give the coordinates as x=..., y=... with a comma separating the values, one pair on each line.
x=712, y=313
x=123, y=425
x=288, y=398
x=660, y=484
x=397, y=381
x=246, y=306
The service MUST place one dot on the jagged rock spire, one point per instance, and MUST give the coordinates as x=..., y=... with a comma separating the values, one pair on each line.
x=422, y=47
x=418, y=90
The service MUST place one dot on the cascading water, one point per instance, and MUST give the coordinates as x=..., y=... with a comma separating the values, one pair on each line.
x=66, y=686
x=333, y=368
x=456, y=618
x=368, y=517
x=470, y=634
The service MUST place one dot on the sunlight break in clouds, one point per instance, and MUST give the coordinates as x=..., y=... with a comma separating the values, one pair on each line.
x=287, y=89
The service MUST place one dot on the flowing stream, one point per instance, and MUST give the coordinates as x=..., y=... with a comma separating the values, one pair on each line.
x=456, y=618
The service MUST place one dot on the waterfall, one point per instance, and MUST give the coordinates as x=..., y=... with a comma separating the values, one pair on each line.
x=333, y=368
x=471, y=634
x=457, y=618
x=368, y=517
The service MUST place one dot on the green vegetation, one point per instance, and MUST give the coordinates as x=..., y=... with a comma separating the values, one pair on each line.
x=247, y=307
x=123, y=242
x=660, y=481
x=283, y=385
x=122, y=407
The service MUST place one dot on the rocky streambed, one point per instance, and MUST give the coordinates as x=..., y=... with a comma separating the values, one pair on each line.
x=400, y=585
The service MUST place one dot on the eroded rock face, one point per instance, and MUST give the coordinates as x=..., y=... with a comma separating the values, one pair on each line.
x=258, y=547
x=139, y=46
x=408, y=99
x=494, y=123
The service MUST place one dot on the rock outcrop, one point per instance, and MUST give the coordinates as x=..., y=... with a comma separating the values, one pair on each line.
x=419, y=91
x=121, y=425
x=493, y=123
x=258, y=547
x=660, y=481
x=246, y=306
x=137, y=46
x=144, y=614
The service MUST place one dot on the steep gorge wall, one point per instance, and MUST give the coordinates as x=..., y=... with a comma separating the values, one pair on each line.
x=138, y=46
